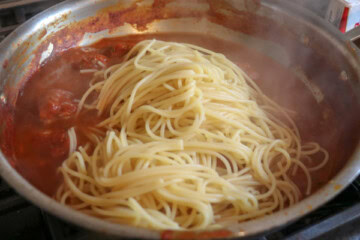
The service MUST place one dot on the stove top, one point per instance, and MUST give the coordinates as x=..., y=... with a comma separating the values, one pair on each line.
x=20, y=220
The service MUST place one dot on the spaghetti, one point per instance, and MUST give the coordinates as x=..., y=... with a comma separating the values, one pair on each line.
x=189, y=142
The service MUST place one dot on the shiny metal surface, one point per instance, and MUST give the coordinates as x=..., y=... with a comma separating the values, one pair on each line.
x=16, y=46
x=354, y=34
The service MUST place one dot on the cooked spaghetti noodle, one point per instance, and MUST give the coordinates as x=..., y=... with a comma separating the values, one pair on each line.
x=189, y=142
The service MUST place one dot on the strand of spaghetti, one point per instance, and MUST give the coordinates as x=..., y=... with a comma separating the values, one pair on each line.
x=188, y=141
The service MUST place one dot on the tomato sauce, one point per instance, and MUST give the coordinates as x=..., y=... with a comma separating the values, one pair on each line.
x=47, y=104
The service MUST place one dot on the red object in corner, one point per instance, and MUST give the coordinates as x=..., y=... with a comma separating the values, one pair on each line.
x=344, y=20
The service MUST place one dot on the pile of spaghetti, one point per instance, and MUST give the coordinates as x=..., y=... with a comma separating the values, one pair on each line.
x=189, y=142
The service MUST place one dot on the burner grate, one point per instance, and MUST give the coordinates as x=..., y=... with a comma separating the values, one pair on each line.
x=339, y=211
x=18, y=218
x=15, y=12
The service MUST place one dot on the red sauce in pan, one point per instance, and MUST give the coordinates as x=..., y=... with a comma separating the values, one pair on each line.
x=46, y=106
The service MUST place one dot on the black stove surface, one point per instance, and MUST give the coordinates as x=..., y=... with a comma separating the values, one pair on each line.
x=20, y=220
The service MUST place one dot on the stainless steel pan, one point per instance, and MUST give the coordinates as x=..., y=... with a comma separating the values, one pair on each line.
x=279, y=29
